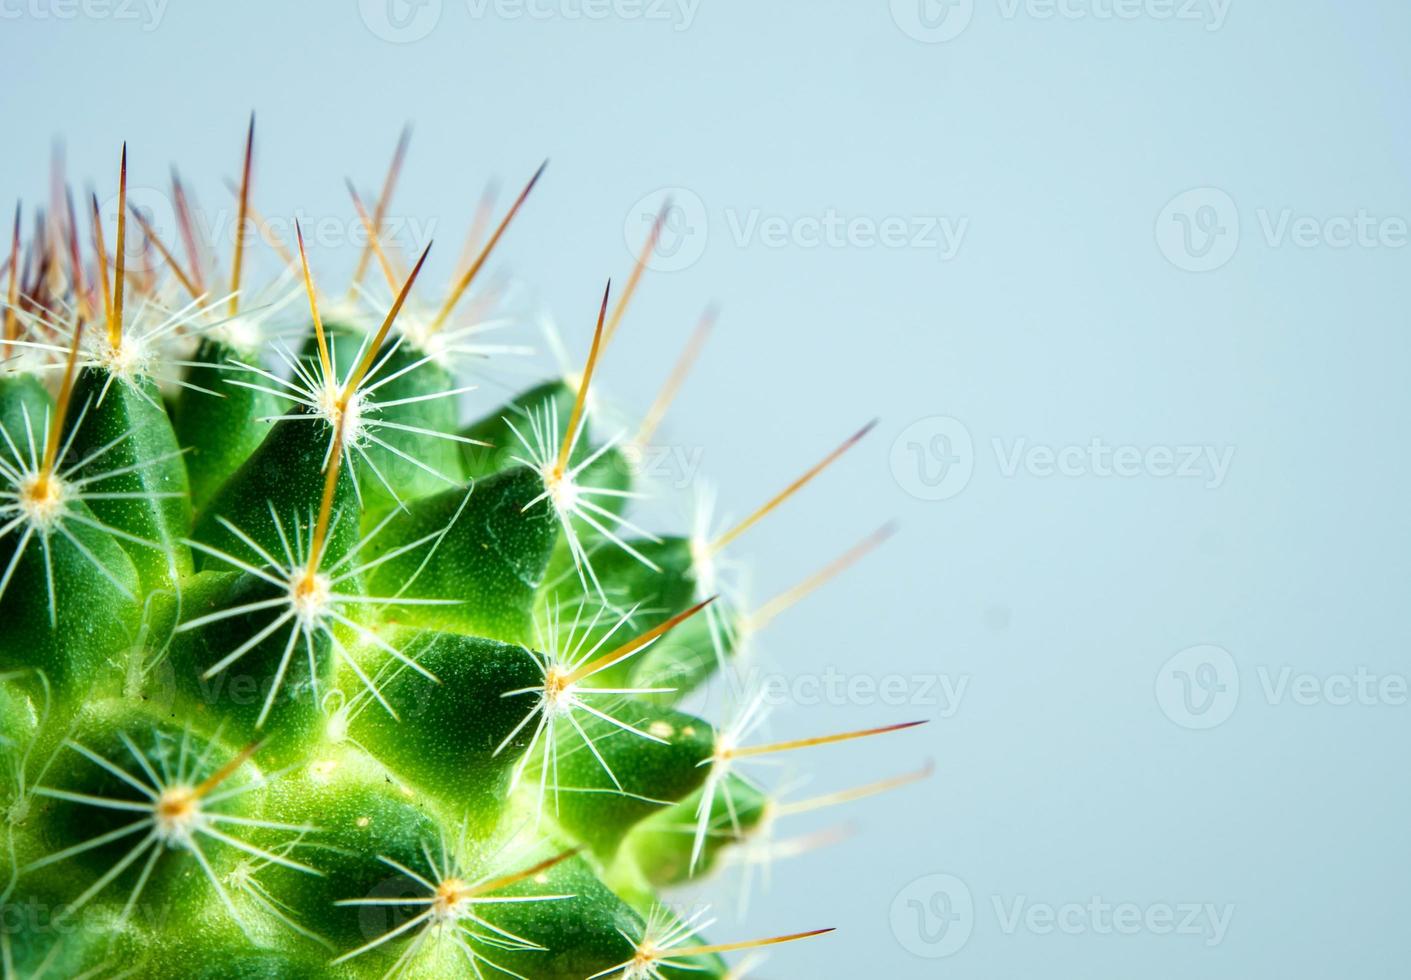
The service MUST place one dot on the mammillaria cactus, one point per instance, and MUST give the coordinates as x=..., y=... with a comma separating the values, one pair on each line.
x=301, y=675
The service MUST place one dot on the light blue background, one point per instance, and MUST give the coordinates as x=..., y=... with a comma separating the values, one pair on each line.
x=1059, y=320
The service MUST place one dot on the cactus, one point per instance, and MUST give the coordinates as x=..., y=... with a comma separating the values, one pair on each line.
x=302, y=673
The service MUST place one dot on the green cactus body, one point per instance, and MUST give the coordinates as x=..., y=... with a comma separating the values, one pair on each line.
x=220, y=423
x=304, y=676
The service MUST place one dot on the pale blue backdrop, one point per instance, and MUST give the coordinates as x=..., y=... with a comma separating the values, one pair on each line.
x=1126, y=282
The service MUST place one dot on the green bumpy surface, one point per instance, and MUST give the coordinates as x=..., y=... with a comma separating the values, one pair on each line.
x=201, y=783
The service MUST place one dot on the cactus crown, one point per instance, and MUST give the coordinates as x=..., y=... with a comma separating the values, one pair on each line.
x=302, y=674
